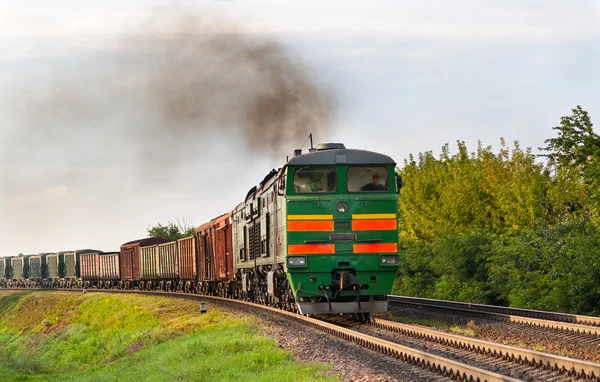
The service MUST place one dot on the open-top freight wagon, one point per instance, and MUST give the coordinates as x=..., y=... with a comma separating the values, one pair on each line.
x=187, y=259
x=131, y=262
x=100, y=269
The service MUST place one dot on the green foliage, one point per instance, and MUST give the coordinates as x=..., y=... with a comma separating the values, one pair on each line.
x=170, y=231
x=462, y=193
x=575, y=152
x=56, y=336
x=500, y=228
x=576, y=145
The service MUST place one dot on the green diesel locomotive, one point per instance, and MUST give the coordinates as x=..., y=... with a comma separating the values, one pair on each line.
x=320, y=234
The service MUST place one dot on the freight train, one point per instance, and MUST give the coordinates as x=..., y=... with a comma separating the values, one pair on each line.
x=317, y=236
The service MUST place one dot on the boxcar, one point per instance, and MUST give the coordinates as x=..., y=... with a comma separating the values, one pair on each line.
x=130, y=259
x=35, y=267
x=223, y=248
x=215, y=262
x=204, y=242
x=109, y=266
x=187, y=259
x=2, y=268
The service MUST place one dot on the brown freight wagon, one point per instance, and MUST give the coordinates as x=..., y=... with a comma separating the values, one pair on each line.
x=204, y=243
x=187, y=262
x=214, y=245
x=223, y=248
x=130, y=259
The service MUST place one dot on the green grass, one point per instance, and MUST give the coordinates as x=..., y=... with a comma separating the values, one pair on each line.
x=100, y=337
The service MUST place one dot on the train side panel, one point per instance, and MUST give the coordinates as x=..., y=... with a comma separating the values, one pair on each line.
x=187, y=258
x=109, y=266
x=70, y=264
x=149, y=263
x=168, y=261
x=35, y=267
x=223, y=247
x=2, y=267
x=259, y=228
x=129, y=259
x=90, y=266
x=205, y=245
x=52, y=262
x=17, y=266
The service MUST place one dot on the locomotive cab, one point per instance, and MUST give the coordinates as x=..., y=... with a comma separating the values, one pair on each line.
x=341, y=229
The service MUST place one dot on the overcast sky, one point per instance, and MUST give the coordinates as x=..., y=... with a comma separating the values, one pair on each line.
x=407, y=77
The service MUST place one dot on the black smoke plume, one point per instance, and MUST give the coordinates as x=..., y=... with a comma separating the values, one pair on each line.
x=180, y=82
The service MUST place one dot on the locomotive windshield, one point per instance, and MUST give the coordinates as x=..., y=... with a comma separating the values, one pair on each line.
x=367, y=179
x=315, y=179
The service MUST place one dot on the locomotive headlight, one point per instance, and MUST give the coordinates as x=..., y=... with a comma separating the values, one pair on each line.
x=296, y=261
x=390, y=259
x=342, y=207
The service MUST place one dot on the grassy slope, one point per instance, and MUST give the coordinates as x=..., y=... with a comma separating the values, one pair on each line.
x=101, y=337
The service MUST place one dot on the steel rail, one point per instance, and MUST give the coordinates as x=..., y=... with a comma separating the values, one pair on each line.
x=433, y=363
x=539, y=360
x=505, y=314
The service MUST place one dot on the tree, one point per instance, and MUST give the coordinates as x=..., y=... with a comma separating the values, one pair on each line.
x=185, y=227
x=575, y=154
x=576, y=145
x=172, y=231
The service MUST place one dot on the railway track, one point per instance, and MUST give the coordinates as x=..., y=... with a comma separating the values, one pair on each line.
x=576, y=324
x=511, y=361
x=444, y=367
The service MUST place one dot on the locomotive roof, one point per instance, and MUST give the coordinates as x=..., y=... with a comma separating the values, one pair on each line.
x=341, y=156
